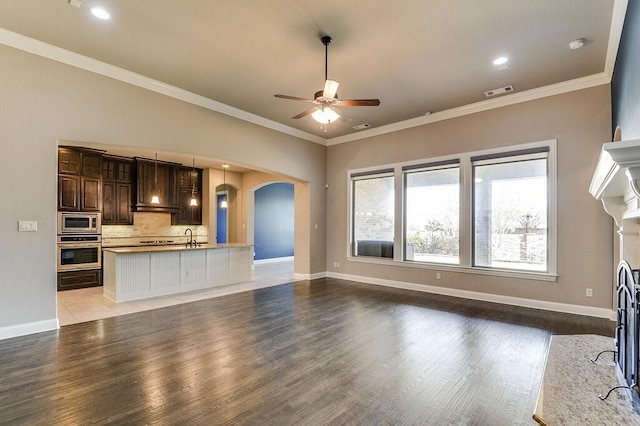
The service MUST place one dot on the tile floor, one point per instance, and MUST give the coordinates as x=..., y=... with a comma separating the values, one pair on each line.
x=89, y=304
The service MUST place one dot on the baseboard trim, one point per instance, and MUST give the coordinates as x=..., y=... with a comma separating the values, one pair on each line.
x=485, y=297
x=309, y=277
x=11, y=331
x=273, y=260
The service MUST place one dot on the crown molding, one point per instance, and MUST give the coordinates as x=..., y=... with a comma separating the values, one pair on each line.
x=36, y=47
x=489, y=104
x=615, y=33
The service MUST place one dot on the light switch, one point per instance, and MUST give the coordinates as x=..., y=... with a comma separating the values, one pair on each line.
x=28, y=226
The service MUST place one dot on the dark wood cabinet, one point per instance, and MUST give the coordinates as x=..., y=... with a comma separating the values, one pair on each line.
x=116, y=203
x=189, y=182
x=151, y=180
x=68, y=192
x=69, y=161
x=116, y=169
x=79, y=179
x=116, y=191
x=79, y=279
x=91, y=164
x=91, y=194
x=90, y=180
x=77, y=193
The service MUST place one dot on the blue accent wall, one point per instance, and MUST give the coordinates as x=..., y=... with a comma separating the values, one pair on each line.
x=625, y=84
x=273, y=221
x=221, y=222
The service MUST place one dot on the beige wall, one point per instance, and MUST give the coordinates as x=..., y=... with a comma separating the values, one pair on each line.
x=43, y=101
x=580, y=121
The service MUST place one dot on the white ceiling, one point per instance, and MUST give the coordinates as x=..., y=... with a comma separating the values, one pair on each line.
x=416, y=56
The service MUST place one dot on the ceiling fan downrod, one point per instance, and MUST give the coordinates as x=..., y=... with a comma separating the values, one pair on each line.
x=326, y=40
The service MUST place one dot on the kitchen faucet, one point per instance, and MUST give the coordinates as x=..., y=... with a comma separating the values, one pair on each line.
x=190, y=236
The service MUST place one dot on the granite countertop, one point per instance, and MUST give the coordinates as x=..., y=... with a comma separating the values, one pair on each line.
x=174, y=247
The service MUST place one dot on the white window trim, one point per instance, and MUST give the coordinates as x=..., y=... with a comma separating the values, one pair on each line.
x=466, y=218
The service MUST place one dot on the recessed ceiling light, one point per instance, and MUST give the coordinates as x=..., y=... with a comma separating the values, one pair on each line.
x=501, y=60
x=576, y=44
x=100, y=13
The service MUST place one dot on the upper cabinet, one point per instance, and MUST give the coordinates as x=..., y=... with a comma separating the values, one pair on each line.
x=155, y=178
x=90, y=180
x=116, y=190
x=79, y=179
x=189, y=184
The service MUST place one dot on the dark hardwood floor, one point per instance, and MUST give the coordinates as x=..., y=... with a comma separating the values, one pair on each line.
x=321, y=352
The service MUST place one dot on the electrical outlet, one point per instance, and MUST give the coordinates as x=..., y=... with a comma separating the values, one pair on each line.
x=337, y=264
x=187, y=273
x=589, y=292
x=438, y=276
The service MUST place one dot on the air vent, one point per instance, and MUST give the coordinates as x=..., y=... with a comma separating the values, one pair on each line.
x=362, y=126
x=500, y=91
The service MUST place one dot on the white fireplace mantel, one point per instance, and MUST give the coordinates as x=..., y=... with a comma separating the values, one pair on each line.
x=616, y=182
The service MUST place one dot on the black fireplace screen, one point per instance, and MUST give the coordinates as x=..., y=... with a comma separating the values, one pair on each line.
x=628, y=324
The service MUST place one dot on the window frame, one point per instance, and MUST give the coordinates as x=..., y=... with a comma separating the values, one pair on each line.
x=509, y=158
x=359, y=176
x=465, y=211
x=428, y=167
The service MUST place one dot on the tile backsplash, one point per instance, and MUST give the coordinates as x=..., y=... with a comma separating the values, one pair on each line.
x=150, y=226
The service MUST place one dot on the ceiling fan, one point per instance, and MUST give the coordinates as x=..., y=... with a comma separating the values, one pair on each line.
x=326, y=101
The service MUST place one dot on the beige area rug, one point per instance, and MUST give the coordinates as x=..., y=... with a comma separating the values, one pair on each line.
x=571, y=385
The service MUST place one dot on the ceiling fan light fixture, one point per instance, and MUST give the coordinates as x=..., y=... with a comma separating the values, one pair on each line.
x=325, y=115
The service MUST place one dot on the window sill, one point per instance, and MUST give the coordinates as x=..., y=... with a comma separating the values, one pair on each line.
x=527, y=275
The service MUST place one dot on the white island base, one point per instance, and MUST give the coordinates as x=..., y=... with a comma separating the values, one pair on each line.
x=143, y=272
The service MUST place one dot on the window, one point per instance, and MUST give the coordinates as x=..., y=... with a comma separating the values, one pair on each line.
x=510, y=212
x=490, y=212
x=373, y=214
x=432, y=213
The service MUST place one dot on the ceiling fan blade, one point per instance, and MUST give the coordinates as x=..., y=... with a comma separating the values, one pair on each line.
x=360, y=102
x=330, y=89
x=304, y=113
x=293, y=98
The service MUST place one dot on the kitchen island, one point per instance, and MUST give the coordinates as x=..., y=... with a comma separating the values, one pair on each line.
x=132, y=273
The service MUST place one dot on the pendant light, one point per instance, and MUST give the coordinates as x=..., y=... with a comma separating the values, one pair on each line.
x=223, y=203
x=194, y=201
x=155, y=199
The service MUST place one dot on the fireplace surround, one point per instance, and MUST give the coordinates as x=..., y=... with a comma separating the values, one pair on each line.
x=616, y=182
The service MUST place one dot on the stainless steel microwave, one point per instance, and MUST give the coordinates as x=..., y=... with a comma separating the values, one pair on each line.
x=79, y=223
